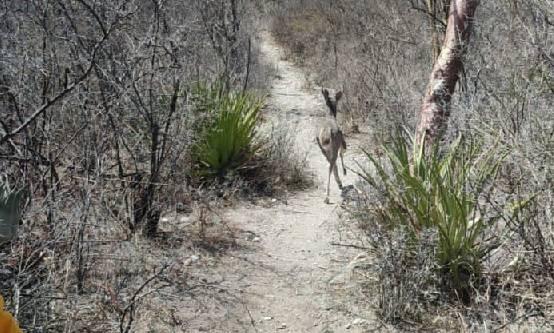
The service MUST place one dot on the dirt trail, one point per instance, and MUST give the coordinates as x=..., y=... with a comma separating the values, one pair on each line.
x=294, y=277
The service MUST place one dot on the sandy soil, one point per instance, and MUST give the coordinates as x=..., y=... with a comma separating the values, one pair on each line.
x=284, y=271
x=296, y=279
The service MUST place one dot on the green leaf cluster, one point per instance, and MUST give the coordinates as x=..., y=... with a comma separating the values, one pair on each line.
x=228, y=135
x=439, y=190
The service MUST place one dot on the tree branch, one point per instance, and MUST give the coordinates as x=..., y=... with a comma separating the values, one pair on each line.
x=60, y=95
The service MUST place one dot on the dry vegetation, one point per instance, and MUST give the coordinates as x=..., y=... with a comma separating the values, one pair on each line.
x=109, y=111
x=381, y=53
x=104, y=105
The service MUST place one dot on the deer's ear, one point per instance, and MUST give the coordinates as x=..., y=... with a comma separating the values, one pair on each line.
x=338, y=95
x=325, y=93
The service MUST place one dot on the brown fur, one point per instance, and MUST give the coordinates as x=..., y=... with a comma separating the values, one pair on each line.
x=331, y=139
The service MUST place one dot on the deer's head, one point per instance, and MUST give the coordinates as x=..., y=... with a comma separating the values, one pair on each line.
x=331, y=99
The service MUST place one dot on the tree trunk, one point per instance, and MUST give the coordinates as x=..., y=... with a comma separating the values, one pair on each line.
x=434, y=111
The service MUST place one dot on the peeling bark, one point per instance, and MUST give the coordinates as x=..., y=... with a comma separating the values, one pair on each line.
x=435, y=109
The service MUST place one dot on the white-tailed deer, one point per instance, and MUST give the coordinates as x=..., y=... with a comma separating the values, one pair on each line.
x=330, y=138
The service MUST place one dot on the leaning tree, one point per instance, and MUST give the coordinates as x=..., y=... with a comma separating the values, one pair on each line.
x=446, y=72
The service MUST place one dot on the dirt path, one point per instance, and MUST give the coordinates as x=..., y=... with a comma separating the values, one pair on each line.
x=295, y=276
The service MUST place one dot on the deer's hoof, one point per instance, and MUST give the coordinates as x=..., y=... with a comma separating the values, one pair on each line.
x=326, y=200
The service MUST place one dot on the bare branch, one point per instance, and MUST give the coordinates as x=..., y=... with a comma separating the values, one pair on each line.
x=60, y=95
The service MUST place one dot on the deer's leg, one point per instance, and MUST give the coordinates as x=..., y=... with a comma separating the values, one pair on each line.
x=335, y=169
x=342, y=162
x=336, y=174
x=328, y=182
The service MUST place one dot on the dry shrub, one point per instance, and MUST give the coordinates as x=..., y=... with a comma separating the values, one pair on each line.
x=282, y=165
x=375, y=51
x=275, y=171
x=380, y=53
x=120, y=141
x=298, y=32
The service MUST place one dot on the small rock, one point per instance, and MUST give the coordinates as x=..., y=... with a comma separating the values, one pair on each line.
x=190, y=260
x=359, y=321
x=183, y=208
x=256, y=239
x=355, y=322
x=282, y=327
x=267, y=318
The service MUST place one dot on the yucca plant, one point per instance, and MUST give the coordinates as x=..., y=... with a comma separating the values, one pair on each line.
x=228, y=139
x=438, y=190
x=206, y=97
x=10, y=211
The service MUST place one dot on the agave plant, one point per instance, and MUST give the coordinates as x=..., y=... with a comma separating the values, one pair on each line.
x=10, y=211
x=227, y=141
x=438, y=190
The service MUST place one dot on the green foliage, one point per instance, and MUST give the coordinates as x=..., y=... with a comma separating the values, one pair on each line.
x=228, y=133
x=438, y=190
x=10, y=211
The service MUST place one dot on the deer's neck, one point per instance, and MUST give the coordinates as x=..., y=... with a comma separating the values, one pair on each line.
x=332, y=110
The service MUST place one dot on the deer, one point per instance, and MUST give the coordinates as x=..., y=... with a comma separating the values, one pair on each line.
x=330, y=138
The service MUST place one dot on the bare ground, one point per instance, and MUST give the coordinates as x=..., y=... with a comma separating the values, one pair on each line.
x=294, y=280
x=289, y=269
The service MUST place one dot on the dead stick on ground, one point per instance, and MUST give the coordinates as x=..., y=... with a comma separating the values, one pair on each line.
x=252, y=321
x=350, y=245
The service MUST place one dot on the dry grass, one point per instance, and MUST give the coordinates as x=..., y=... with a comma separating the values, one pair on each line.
x=78, y=263
x=380, y=54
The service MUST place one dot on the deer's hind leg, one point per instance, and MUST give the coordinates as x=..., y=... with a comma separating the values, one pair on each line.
x=332, y=169
x=336, y=174
x=329, y=182
x=341, y=152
